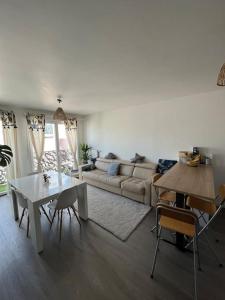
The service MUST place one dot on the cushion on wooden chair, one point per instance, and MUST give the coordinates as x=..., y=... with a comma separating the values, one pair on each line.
x=202, y=205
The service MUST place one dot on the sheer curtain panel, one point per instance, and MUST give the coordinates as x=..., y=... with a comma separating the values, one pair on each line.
x=36, y=128
x=71, y=134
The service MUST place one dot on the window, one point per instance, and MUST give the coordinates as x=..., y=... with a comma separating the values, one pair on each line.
x=57, y=155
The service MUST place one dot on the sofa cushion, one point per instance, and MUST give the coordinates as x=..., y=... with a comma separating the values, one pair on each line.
x=102, y=165
x=110, y=155
x=113, y=169
x=126, y=170
x=134, y=185
x=138, y=158
x=93, y=175
x=101, y=176
x=112, y=180
x=164, y=165
x=143, y=173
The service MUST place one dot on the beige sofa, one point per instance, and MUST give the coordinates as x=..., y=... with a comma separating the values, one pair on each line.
x=133, y=181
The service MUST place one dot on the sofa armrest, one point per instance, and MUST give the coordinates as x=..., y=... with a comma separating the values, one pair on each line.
x=148, y=189
x=85, y=167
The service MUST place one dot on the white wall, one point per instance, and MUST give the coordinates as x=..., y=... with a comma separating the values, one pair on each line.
x=161, y=129
x=25, y=156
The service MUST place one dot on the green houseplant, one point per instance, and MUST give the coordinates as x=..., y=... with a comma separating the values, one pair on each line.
x=84, y=152
x=5, y=155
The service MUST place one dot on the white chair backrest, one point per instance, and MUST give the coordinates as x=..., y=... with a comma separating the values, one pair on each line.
x=20, y=198
x=66, y=198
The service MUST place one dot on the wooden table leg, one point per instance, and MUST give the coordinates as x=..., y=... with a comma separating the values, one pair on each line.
x=82, y=201
x=180, y=201
x=14, y=205
x=36, y=232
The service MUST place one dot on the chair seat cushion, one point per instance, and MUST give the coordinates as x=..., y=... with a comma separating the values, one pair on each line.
x=134, y=185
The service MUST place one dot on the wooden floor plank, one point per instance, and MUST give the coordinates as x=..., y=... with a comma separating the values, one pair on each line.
x=90, y=263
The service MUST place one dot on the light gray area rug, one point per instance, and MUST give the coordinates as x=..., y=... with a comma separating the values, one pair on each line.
x=116, y=214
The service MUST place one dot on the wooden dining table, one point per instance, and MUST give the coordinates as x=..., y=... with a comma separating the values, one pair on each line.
x=188, y=181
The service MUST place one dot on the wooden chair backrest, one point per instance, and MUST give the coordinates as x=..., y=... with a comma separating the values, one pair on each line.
x=176, y=213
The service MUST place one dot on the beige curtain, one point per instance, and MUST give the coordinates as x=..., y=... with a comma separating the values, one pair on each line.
x=10, y=139
x=36, y=128
x=71, y=133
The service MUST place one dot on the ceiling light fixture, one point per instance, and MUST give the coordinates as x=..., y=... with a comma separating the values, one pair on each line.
x=59, y=114
x=221, y=76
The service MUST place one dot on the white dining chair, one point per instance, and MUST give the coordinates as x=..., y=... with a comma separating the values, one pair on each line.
x=65, y=200
x=24, y=205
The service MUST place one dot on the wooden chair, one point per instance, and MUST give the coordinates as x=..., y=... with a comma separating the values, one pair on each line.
x=179, y=220
x=168, y=197
x=206, y=207
x=65, y=200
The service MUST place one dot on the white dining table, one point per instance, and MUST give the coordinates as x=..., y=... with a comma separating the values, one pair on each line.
x=37, y=193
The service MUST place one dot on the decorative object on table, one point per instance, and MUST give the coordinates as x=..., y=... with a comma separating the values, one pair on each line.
x=164, y=165
x=207, y=160
x=138, y=158
x=98, y=153
x=184, y=156
x=46, y=178
x=5, y=155
x=195, y=161
x=93, y=160
x=85, y=152
x=113, y=169
x=110, y=155
x=195, y=151
x=221, y=76
x=59, y=114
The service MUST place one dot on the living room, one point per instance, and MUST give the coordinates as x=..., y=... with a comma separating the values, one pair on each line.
x=112, y=155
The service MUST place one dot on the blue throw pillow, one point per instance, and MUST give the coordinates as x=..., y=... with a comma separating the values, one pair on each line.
x=113, y=169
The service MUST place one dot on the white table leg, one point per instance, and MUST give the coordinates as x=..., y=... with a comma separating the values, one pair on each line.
x=35, y=221
x=14, y=205
x=82, y=201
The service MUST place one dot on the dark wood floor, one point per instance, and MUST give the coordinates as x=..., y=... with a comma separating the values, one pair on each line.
x=92, y=264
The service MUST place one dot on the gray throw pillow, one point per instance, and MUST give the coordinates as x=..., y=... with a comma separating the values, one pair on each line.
x=113, y=169
x=138, y=158
x=111, y=155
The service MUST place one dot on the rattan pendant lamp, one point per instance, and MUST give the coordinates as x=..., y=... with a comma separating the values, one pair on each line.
x=221, y=76
x=59, y=114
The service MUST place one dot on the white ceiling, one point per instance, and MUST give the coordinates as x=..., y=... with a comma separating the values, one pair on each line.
x=103, y=54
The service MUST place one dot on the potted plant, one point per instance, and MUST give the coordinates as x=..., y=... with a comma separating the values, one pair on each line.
x=85, y=153
x=5, y=155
